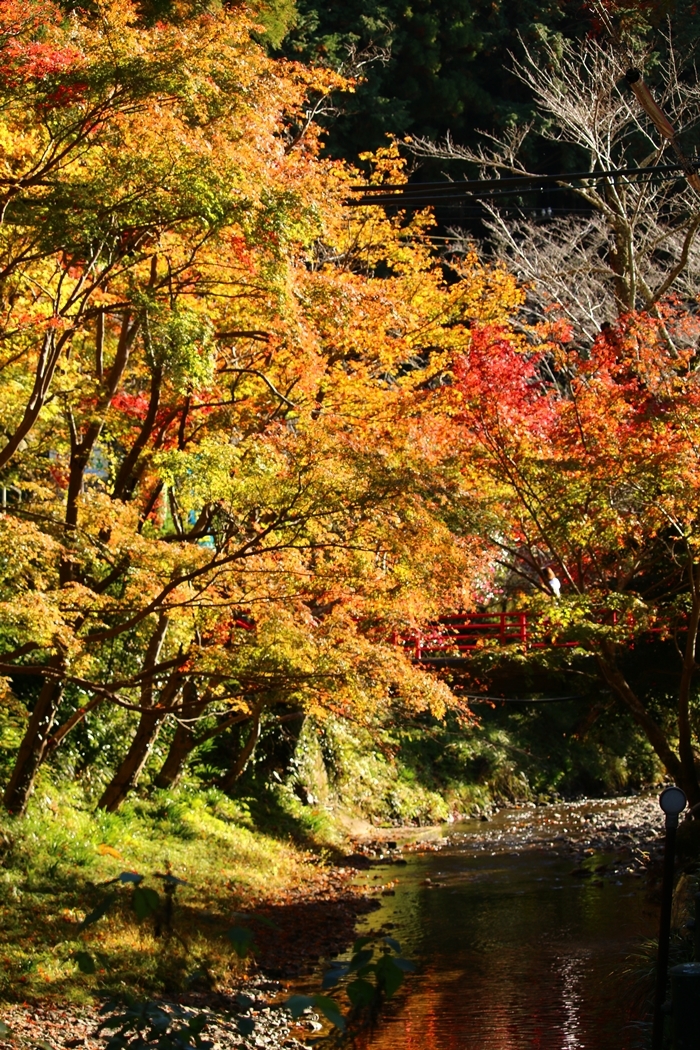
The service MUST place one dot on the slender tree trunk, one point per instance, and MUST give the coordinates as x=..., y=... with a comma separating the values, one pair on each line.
x=129, y=771
x=125, y=480
x=48, y=361
x=183, y=743
x=81, y=450
x=33, y=748
x=184, y=740
x=654, y=733
x=82, y=446
x=57, y=738
x=246, y=753
x=132, y=765
x=685, y=738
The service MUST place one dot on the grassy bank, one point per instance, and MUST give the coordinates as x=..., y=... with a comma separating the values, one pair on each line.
x=57, y=867
x=431, y=772
x=208, y=856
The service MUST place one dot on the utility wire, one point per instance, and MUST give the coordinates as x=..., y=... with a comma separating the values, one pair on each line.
x=424, y=194
x=478, y=698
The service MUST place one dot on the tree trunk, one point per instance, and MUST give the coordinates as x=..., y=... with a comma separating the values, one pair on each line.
x=56, y=738
x=654, y=733
x=685, y=738
x=183, y=743
x=82, y=446
x=184, y=740
x=33, y=748
x=49, y=357
x=130, y=770
x=149, y=726
x=125, y=481
x=245, y=754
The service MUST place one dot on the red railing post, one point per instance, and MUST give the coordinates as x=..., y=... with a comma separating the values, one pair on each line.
x=522, y=623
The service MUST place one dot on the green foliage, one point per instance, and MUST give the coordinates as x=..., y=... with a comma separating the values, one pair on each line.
x=448, y=68
x=369, y=978
x=426, y=772
x=181, y=342
x=69, y=876
x=86, y=963
x=277, y=18
x=145, y=902
x=151, y=1026
x=241, y=937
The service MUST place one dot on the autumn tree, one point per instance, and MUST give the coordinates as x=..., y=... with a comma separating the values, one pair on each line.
x=229, y=486
x=597, y=481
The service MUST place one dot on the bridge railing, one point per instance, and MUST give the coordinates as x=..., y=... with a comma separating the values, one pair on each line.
x=464, y=632
x=459, y=635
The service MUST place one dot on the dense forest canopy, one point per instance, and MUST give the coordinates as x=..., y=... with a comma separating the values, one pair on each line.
x=432, y=68
x=439, y=67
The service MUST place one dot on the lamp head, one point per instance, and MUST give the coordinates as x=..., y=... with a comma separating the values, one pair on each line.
x=672, y=801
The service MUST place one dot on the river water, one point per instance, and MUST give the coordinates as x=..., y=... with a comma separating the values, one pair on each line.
x=522, y=929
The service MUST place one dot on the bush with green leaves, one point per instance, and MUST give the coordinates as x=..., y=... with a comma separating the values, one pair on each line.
x=150, y=1026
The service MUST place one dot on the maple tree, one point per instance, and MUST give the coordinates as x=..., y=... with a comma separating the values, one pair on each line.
x=594, y=475
x=228, y=484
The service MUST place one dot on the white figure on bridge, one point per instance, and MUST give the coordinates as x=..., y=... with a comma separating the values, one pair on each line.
x=552, y=582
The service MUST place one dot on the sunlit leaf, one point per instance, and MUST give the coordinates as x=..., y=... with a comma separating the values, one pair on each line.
x=109, y=851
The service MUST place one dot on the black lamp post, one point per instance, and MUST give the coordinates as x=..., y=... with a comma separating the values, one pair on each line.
x=672, y=801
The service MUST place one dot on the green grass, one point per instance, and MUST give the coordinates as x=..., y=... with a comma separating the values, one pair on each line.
x=56, y=861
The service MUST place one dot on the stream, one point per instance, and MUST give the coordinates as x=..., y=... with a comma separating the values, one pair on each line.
x=522, y=929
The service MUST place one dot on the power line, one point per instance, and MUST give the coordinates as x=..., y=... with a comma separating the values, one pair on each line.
x=478, y=698
x=426, y=193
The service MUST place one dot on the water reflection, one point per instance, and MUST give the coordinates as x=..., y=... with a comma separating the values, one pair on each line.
x=516, y=953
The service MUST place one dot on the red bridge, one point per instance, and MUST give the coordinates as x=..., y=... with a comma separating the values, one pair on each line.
x=454, y=637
